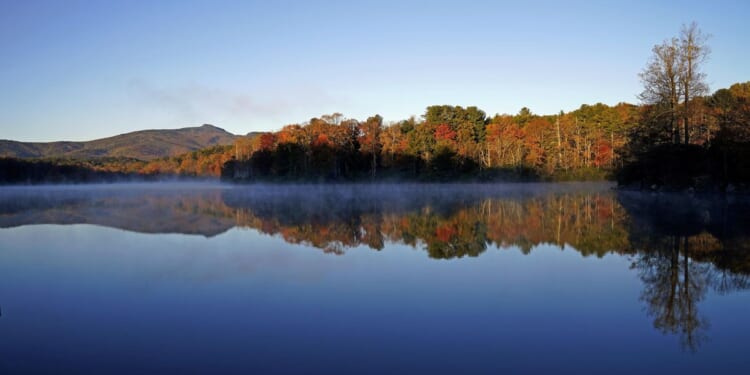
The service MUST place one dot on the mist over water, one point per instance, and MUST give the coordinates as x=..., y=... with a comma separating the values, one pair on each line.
x=370, y=278
x=162, y=205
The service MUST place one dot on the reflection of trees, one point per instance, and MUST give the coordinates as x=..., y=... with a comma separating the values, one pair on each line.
x=685, y=247
x=673, y=285
x=591, y=223
x=676, y=279
x=447, y=221
x=445, y=225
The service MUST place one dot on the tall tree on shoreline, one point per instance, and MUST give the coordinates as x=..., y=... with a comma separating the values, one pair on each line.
x=693, y=52
x=661, y=86
x=673, y=77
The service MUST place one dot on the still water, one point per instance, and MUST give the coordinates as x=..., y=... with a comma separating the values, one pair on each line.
x=532, y=278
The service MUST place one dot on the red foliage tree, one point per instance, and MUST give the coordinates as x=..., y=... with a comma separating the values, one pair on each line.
x=443, y=132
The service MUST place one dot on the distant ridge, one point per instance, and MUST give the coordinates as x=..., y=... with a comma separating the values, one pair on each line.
x=142, y=145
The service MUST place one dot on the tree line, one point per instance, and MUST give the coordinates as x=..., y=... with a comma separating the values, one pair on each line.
x=205, y=163
x=453, y=143
x=446, y=143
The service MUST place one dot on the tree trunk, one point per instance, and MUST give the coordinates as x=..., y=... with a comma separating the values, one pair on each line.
x=686, y=118
x=559, y=145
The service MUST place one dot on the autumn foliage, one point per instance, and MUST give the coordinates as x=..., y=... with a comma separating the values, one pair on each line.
x=448, y=143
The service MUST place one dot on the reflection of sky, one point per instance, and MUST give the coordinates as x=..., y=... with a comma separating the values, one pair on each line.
x=94, y=298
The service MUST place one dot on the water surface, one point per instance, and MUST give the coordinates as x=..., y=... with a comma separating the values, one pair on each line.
x=566, y=278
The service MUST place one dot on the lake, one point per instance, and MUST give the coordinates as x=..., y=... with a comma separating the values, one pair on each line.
x=521, y=278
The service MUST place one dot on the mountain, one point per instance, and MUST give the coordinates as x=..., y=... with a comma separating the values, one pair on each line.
x=143, y=145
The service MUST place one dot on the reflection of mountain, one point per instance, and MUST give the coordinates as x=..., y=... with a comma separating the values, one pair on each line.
x=137, y=210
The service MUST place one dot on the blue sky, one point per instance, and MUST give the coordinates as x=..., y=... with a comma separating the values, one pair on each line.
x=79, y=70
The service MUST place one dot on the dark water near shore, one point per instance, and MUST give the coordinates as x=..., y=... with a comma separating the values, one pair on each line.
x=530, y=278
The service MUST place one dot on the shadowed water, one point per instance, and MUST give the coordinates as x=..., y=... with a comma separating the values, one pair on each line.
x=564, y=278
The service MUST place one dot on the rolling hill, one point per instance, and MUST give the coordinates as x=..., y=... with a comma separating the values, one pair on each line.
x=143, y=145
